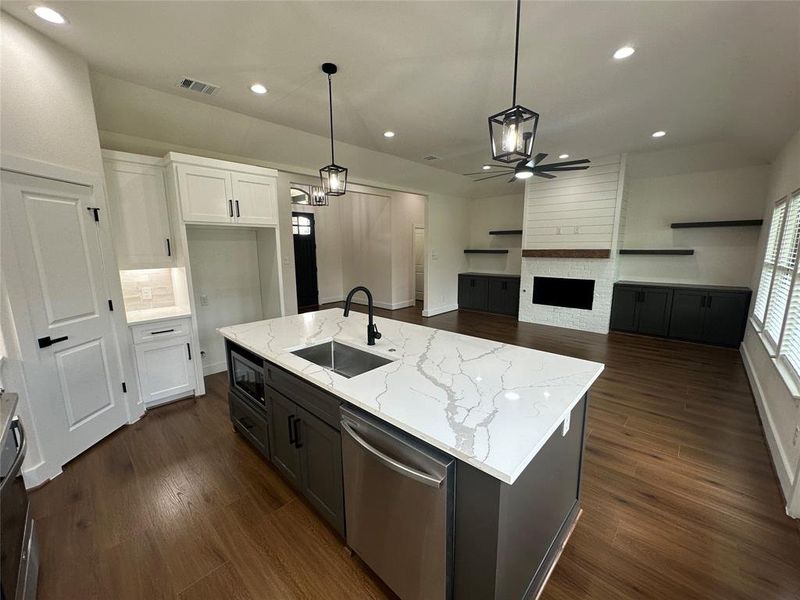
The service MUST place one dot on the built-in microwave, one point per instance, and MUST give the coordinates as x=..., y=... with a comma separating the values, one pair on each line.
x=247, y=376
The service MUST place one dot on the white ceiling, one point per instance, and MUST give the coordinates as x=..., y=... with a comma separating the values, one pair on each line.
x=433, y=71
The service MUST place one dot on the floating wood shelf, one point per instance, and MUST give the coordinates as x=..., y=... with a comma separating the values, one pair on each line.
x=486, y=251
x=699, y=224
x=506, y=232
x=567, y=253
x=665, y=252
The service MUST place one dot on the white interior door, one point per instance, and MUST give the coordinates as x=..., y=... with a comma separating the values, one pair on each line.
x=419, y=262
x=255, y=198
x=206, y=195
x=73, y=375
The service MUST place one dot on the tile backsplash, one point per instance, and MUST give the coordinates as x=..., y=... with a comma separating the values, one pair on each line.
x=147, y=288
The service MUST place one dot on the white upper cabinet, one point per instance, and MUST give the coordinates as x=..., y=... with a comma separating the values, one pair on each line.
x=215, y=191
x=138, y=205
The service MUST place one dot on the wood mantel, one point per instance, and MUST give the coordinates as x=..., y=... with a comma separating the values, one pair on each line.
x=567, y=253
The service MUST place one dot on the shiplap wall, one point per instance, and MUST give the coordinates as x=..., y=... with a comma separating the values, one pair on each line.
x=577, y=210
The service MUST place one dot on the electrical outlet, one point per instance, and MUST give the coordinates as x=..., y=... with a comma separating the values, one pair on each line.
x=203, y=299
x=147, y=293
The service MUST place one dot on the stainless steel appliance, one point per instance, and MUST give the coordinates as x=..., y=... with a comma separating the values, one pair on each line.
x=398, y=506
x=19, y=551
x=247, y=376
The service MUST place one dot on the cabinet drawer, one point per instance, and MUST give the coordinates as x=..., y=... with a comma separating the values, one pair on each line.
x=251, y=424
x=160, y=330
x=310, y=397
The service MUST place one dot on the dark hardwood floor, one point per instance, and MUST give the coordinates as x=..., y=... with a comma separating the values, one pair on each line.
x=680, y=499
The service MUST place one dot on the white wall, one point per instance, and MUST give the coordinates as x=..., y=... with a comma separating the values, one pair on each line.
x=723, y=256
x=446, y=236
x=779, y=410
x=225, y=269
x=501, y=212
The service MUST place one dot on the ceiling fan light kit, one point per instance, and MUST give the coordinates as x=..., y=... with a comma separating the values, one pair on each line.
x=333, y=177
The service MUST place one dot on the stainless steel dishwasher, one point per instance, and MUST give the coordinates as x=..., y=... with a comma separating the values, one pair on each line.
x=398, y=495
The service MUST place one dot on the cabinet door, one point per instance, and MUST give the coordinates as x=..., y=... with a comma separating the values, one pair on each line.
x=653, y=310
x=206, y=195
x=463, y=291
x=686, y=319
x=251, y=424
x=283, y=453
x=725, y=317
x=475, y=293
x=165, y=369
x=624, y=305
x=255, y=199
x=321, y=465
x=138, y=204
x=503, y=296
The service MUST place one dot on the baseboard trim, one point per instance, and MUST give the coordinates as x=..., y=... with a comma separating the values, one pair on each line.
x=779, y=458
x=331, y=299
x=432, y=312
x=216, y=367
x=37, y=475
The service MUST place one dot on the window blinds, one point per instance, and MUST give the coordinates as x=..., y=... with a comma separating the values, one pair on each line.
x=790, y=345
x=784, y=274
x=773, y=241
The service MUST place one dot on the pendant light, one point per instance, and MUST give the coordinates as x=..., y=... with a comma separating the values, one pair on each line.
x=333, y=177
x=513, y=130
x=318, y=196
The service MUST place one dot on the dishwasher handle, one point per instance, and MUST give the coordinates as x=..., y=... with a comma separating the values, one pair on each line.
x=405, y=470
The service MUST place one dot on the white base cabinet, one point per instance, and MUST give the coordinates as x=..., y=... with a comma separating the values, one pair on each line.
x=164, y=360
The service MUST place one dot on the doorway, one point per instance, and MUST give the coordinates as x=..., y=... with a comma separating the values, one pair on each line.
x=419, y=263
x=305, y=261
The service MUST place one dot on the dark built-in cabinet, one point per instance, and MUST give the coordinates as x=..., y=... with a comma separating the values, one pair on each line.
x=708, y=314
x=489, y=292
x=297, y=429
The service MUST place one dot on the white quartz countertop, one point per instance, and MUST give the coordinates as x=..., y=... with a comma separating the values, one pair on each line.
x=151, y=315
x=489, y=404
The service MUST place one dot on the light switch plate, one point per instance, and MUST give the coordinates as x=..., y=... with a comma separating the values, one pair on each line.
x=203, y=299
x=147, y=293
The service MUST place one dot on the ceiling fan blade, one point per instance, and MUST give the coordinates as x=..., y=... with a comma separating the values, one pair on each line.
x=545, y=175
x=489, y=170
x=539, y=158
x=552, y=168
x=569, y=163
x=491, y=177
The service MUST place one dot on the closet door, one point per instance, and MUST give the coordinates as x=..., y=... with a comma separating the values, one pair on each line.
x=206, y=194
x=138, y=203
x=255, y=199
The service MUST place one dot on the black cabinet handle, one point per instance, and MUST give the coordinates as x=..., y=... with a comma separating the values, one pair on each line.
x=297, y=442
x=708, y=303
x=237, y=210
x=291, y=430
x=46, y=342
x=230, y=208
x=189, y=350
x=162, y=331
x=169, y=249
x=703, y=302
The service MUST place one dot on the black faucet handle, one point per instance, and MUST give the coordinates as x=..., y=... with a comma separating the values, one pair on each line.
x=375, y=333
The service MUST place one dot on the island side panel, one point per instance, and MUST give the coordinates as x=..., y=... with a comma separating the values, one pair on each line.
x=507, y=536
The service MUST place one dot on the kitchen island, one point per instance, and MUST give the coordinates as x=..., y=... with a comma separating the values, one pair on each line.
x=512, y=418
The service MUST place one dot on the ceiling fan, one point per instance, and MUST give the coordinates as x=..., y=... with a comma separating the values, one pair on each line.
x=529, y=167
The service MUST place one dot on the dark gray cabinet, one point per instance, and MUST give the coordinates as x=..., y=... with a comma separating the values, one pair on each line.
x=308, y=452
x=708, y=314
x=641, y=309
x=249, y=422
x=489, y=292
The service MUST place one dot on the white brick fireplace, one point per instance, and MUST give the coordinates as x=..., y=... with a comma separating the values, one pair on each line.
x=568, y=222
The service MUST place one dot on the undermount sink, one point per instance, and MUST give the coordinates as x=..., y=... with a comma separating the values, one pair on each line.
x=342, y=359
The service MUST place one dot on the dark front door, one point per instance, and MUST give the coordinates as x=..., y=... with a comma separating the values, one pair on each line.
x=305, y=260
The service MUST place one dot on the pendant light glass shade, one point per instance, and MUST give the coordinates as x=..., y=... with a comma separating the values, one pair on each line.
x=318, y=196
x=513, y=131
x=333, y=177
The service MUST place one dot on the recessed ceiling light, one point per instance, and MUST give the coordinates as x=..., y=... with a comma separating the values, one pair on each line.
x=258, y=88
x=388, y=134
x=624, y=52
x=563, y=156
x=48, y=14
x=486, y=167
x=658, y=134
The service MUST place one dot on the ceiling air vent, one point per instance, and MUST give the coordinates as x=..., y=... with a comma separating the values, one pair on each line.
x=430, y=157
x=197, y=86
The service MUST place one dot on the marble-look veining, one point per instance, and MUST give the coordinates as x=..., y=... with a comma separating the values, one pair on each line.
x=489, y=404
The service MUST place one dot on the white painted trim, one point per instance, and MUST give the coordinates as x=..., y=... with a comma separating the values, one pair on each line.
x=793, y=504
x=432, y=312
x=217, y=367
x=202, y=161
x=40, y=474
x=779, y=457
x=38, y=168
x=331, y=299
x=139, y=159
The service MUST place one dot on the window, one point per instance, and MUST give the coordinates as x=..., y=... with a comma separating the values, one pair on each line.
x=777, y=306
x=301, y=225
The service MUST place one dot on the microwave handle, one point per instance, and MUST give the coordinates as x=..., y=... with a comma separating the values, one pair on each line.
x=15, y=466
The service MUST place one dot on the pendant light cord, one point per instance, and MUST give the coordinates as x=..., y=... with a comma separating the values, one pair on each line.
x=330, y=110
x=516, y=56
